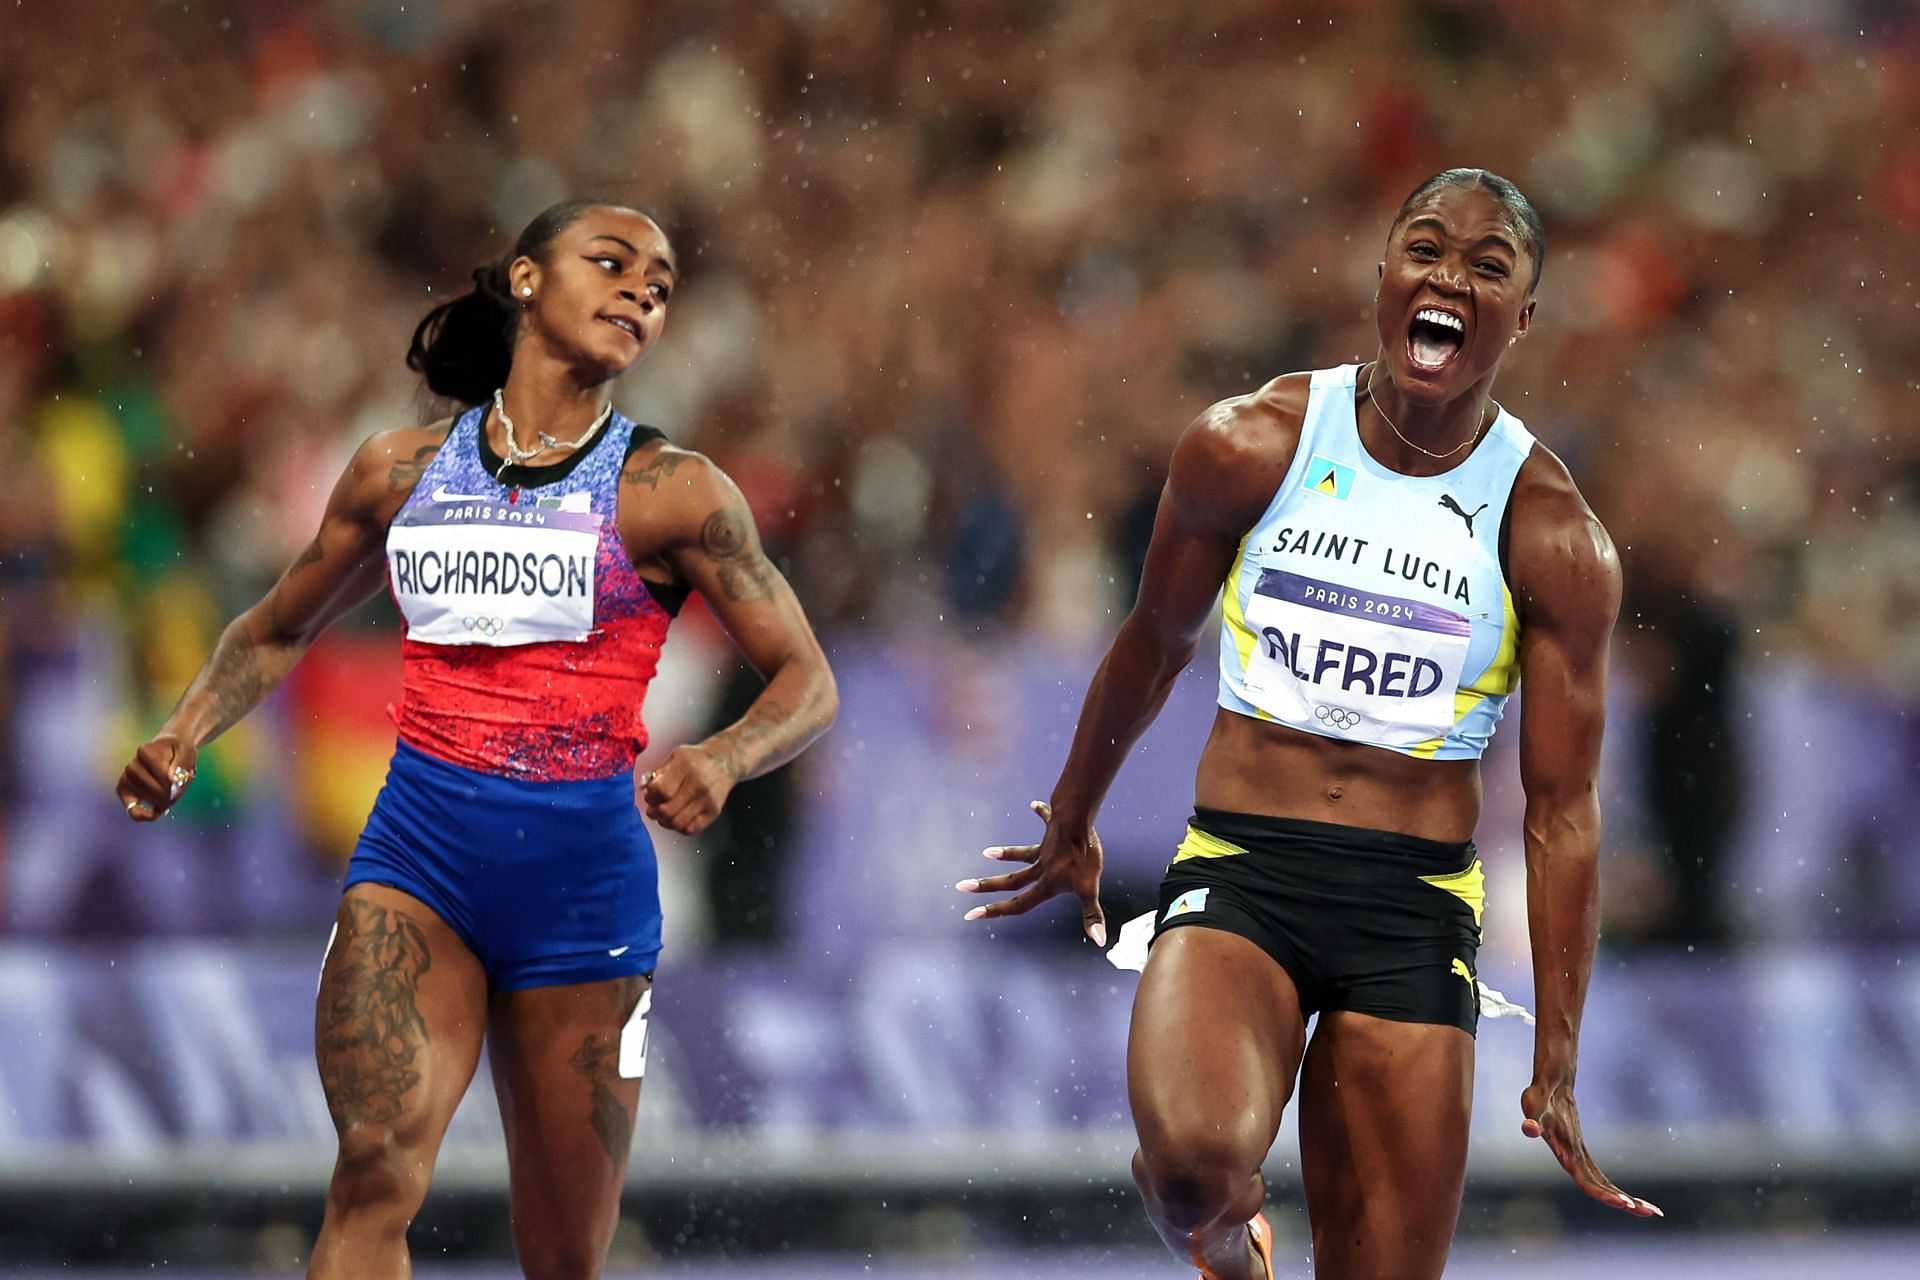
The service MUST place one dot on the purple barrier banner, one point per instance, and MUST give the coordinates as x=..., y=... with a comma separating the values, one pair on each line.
x=923, y=1060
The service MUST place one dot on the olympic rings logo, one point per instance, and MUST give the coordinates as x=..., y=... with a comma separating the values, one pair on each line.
x=485, y=626
x=1338, y=717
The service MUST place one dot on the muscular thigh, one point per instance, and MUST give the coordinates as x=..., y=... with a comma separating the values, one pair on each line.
x=1384, y=1113
x=1215, y=1041
x=568, y=1094
x=399, y=1015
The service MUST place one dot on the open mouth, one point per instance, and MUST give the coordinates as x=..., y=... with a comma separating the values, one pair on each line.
x=1434, y=338
x=630, y=327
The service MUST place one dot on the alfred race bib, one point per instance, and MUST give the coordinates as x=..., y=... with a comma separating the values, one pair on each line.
x=1353, y=663
x=476, y=571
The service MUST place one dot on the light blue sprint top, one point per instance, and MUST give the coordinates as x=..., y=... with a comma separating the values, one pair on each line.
x=1369, y=605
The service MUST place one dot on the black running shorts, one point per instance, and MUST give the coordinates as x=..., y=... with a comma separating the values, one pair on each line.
x=1370, y=921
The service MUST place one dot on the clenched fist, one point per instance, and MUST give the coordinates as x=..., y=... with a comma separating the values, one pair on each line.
x=686, y=792
x=156, y=776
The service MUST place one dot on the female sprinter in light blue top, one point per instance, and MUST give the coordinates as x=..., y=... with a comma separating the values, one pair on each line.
x=1397, y=553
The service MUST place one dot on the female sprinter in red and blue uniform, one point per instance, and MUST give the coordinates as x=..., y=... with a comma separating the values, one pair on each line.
x=504, y=888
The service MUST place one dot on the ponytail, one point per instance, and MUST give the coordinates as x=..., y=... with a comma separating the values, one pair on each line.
x=464, y=348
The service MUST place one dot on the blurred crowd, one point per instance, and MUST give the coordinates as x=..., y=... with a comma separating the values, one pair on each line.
x=955, y=275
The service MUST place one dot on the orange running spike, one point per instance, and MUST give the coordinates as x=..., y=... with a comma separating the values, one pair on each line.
x=1260, y=1236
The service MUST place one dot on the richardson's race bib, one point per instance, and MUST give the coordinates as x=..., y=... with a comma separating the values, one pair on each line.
x=1349, y=663
x=485, y=572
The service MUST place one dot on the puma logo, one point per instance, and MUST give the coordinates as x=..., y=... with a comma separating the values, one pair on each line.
x=1446, y=500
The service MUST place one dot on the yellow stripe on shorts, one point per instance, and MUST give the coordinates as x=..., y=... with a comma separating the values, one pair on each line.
x=1199, y=844
x=1470, y=886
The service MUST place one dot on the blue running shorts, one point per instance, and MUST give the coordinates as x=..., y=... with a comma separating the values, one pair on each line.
x=546, y=882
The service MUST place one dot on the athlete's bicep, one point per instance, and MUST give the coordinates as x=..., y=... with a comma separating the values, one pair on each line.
x=717, y=552
x=1569, y=580
x=1180, y=580
x=1563, y=703
x=1217, y=485
x=345, y=563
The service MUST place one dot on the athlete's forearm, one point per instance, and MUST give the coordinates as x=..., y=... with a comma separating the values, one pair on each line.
x=1126, y=694
x=243, y=669
x=796, y=707
x=1563, y=923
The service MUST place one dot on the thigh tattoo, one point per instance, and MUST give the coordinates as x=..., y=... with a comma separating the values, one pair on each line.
x=598, y=1059
x=368, y=1028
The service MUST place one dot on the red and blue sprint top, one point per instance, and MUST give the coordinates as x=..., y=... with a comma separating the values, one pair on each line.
x=529, y=640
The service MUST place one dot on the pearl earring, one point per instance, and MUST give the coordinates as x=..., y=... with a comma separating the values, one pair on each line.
x=526, y=291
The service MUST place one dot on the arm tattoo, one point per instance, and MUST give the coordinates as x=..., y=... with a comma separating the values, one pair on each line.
x=235, y=681
x=368, y=1029
x=727, y=539
x=405, y=475
x=761, y=725
x=649, y=473
x=307, y=557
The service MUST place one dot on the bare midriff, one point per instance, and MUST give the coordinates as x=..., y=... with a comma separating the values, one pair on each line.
x=1252, y=766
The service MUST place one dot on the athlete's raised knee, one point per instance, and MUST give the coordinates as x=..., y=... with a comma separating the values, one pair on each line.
x=378, y=1174
x=1198, y=1177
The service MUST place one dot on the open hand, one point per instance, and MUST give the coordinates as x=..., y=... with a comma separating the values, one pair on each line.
x=157, y=776
x=1065, y=861
x=1550, y=1113
x=687, y=791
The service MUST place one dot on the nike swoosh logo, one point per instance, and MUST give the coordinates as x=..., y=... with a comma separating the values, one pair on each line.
x=441, y=495
x=620, y=951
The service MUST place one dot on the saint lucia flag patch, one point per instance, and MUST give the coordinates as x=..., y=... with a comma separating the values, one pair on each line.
x=1324, y=475
x=1190, y=901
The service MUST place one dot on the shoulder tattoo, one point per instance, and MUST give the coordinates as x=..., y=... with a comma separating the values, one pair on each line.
x=653, y=470
x=405, y=474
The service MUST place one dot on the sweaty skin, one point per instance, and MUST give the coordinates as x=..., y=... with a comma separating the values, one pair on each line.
x=404, y=1005
x=1385, y=1114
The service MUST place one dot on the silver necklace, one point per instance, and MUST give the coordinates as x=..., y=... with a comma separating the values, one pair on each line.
x=1403, y=440
x=516, y=455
